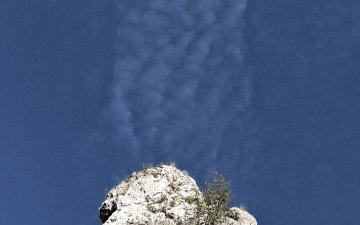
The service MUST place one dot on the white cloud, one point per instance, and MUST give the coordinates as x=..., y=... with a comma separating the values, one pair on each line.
x=179, y=87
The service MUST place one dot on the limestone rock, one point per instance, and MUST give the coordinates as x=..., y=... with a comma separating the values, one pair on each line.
x=158, y=195
x=239, y=216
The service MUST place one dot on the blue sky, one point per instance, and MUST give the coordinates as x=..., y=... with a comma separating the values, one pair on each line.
x=265, y=92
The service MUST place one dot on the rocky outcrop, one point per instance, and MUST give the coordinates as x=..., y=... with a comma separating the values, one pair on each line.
x=158, y=195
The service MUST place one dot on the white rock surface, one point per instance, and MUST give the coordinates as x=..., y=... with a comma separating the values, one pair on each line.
x=157, y=196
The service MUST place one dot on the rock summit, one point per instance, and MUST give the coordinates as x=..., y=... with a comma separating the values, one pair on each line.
x=159, y=195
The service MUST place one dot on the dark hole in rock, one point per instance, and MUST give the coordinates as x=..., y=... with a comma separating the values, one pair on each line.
x=106, y=211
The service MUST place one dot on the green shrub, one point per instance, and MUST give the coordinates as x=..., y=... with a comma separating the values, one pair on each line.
x=212, y=208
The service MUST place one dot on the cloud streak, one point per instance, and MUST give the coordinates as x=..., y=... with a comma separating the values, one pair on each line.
x=179, y=87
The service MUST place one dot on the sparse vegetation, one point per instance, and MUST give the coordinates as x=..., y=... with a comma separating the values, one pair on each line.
x=212, y=208
x=173, y=186
x=155, y=174
x=161, y=199
x=192, y=199
x=147, y=166
x=211, y=204
x=243, y=207
x=172, y=203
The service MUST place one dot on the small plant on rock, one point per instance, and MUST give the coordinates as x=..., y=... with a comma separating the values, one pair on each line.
x=212, y=208
x=147, y=166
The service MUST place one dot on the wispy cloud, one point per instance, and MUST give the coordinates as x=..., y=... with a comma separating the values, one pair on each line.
x=179, y=89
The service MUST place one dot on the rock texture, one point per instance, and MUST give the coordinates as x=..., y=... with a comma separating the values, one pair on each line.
x=158, y=195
